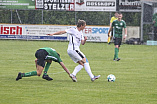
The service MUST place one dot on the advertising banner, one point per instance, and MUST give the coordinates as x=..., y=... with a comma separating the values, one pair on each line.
x=130, y=5
x=38, y=32
x=95, y=33
x=77, y=5
x=67, y=5
x=95, y=5
x=31, y=32
x=60, y=5
x=17, y=4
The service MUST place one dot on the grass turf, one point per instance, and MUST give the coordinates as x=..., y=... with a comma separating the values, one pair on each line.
x=136, y=75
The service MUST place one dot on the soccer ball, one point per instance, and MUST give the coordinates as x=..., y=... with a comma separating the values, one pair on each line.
x=111, y=78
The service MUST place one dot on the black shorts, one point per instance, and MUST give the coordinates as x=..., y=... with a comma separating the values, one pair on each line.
x=41, y=55
x=117, y=41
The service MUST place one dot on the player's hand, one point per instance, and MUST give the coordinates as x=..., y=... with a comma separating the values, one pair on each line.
x=85, y=37
x=108, y=35
x=153, y=22
x=49, y=34
x=124, y=37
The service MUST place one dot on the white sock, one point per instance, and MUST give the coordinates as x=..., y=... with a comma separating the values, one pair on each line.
x=88, y=70
x=77, y=69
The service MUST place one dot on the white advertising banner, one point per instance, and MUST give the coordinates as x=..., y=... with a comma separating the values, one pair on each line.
x=34, y=32
x=41, y=30
x=76, y=5
x=38, y=32
x=95, y=5
x=95, y=33
x=67, y=5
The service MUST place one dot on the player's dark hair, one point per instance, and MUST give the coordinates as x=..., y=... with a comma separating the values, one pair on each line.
x=119, y=13
x=81, y=23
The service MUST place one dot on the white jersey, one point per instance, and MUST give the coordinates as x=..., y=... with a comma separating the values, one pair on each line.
x=75, y=38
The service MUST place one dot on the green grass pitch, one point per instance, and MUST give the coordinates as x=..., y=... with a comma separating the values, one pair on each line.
x=136, y=75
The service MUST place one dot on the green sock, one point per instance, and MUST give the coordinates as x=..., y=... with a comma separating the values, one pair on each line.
x=46, y=68
x=33, y=73
x=116, y=53
x=114, y=56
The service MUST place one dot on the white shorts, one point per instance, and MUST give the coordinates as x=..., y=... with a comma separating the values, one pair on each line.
x=76, y=55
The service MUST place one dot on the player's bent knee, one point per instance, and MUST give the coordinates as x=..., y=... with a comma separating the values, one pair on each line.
x=84, y=60
x=81, y=63
x=39, y=70
x=38, y=73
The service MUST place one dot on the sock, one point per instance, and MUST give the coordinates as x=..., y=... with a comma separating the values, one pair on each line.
x=77, y=69
x=114, y=56
x=116, y=53
x=46, y=68
x=33, y=73
x=88, y=70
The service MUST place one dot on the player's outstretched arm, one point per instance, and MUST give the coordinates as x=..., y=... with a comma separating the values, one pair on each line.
x=64, y=67
x=57, y=33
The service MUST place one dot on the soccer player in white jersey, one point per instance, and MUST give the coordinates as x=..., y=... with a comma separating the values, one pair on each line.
x=76, y=38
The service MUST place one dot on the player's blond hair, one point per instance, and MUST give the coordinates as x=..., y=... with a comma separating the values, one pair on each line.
x=81, y=23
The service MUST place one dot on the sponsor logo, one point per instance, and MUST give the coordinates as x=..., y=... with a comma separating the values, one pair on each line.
x=96, y=30
x=94, y=38
x=55, y=4
x=101, y=3
x=121, y=24
x=80, y=2
x=129, y=3
x=11, y=30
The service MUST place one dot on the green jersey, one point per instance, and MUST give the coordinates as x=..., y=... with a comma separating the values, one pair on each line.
x=155, y=19
x=52, y=54
x=118, y=28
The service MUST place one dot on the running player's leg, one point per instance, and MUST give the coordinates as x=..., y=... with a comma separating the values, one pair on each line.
x=116, y=43
x=117, y=46
x=77, y=59
x=88, y=69
x=116, y=51
x=86, y=64
x=77, y=69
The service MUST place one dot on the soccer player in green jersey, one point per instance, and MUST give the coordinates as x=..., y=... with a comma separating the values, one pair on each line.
x=115, y=17
x=118, y=29
x=44, y=55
